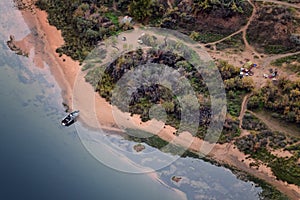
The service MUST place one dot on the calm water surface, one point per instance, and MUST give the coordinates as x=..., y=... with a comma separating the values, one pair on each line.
x=42, y=160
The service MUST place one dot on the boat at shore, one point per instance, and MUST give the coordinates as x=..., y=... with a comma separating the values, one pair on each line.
x=70, y=118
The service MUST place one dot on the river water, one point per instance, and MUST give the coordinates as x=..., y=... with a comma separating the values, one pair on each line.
x=40, y=159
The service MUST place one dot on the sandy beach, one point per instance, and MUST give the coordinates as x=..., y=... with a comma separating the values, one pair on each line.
x=96, y=112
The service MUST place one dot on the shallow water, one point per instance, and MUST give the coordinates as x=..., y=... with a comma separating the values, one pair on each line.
x=42, y=160
x=39, y=158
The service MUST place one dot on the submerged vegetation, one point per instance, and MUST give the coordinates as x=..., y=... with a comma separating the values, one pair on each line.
x=268, y=192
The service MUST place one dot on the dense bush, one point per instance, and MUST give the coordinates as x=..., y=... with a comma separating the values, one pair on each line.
x=235, y=87
x=250, y=122
x=292, y=63
x=278, y=22
x=83, y=24
x=281, y=98
x=259, y=146
x=148, y=95
x=286, y=169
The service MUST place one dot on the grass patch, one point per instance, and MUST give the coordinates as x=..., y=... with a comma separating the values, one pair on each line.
x=286, y=170
x=234, y=42
x=113, y=18
x=206, y=37
x=292, y=63
x=268, y=192
x=234, y=102
x=276, y=49
x=259, y=147
x=295, y=147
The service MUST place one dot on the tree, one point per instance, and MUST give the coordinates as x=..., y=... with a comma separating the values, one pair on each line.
x=140, y=9
x=230, y=83
x=247, y=83
x=169, y=106
x=254, y=102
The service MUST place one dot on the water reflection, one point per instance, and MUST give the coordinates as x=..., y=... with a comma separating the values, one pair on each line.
x=44, y=160
x=195, y=177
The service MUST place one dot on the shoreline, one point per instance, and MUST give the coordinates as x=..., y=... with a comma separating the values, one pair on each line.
x=64, y=69
x=67, y=74
x=41, y=48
